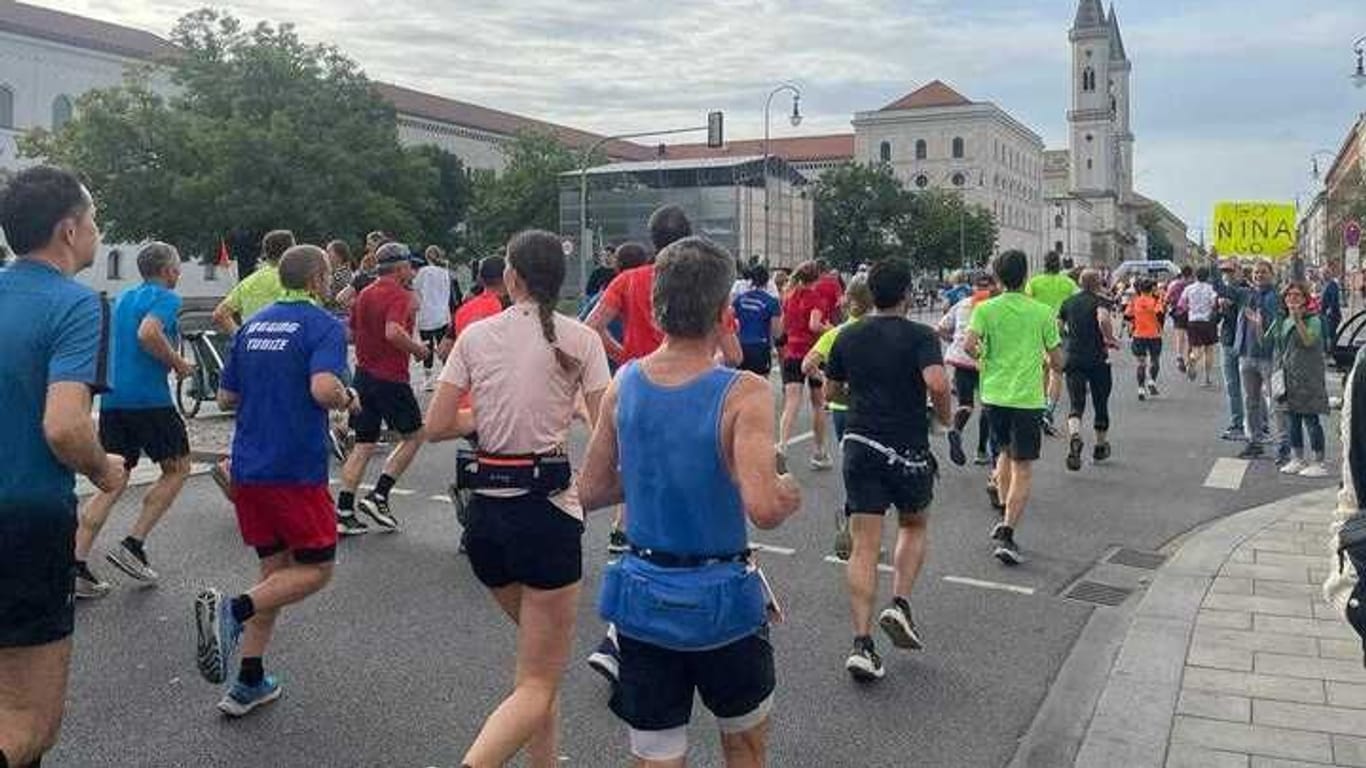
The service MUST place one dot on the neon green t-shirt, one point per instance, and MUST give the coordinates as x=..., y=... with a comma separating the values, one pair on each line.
x=1016, y=332
x=823, y=346
x=261, y=289
x=1052, y=290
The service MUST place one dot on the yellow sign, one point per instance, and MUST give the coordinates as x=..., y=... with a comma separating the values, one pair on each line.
x=1254, y=229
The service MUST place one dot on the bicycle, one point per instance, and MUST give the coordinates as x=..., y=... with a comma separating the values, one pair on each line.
x=203, y=349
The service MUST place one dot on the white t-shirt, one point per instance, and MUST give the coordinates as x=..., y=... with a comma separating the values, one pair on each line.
x=955, y=321
x=1199, y=300
x=523, y=400
x=432, y=284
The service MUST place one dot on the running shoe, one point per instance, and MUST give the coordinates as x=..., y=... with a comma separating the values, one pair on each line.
x=1142, y=394
x=1049, y=428
x=350, y=525
x=606, y=660
x=88, y=585
x=1074, y=447
x=617, y=542
x=821, y=461
x=1252, y=451
x=378, y=510
x=241, y=698
x=1314, y=469
x=956, y=454
x=896, y=621
x=863, y=663
x=1233, y=433
x=220, y=475
x=1101, y=452
x=1191, y=373
x=1181, y=364
x=218, y=635
x=982, y=459
x=1152, y=389
x=844, y=539
x=132, y=560
x=1293, y=467
x=1006, y=550
x=994, y=495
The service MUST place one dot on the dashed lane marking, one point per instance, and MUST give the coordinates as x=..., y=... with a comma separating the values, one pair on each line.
x=1227, y=474
x=756, y=546
x=403, y=492
x=885, y=568
x=442, y=499
x=803, y=437
x=989, y=585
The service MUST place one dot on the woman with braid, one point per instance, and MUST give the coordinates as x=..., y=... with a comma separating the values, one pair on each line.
x=525, y=368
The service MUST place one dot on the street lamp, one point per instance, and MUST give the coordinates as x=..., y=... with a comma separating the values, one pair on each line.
x=1359, y=77
x=796, y=119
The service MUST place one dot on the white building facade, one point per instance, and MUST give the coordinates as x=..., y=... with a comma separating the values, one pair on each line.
x=935, y=138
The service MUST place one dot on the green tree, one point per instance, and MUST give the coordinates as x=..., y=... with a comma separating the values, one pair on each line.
x=263, y=131
x=861, y=215
x=524, y=195
x=1160, y=246
x=446, y=204
x=946, y=232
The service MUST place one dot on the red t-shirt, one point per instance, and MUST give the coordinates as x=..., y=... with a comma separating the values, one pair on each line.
x=486, y=304
x=382, y=302
x=828, y=288
x=629, y=294
x=801, y=302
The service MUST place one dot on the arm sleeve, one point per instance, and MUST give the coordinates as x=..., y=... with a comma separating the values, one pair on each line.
x=457, y=369
x=834, y=363
x=80, y=348
x=329, y=354
x=234, y=298
x=596, y=374
x=167, y=310
x=825, y=342
x=930, y=353
x=401, y=311
x=615, y=295
x=776, y=305
x=1051, y=338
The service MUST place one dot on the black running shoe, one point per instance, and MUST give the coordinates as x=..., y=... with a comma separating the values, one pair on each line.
x=378, y=510
x=863, y=664
x=617, y=542
x=994, y=494
x=1074, y=453
x=1049, y=428
x=956, y=454
x=606, y=660
x=350, y=525
x=1006, y=550
x=1101, y=452
x=982, y=459
x=896, y=621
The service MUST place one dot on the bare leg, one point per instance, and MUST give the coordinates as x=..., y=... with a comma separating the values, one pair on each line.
x=911, y=538
x=792, y=405
x=32, y=699
x=1003, y=475
x=861, y=571
x=354, y=468
x=818, y=420
x=92, y=519
x=161, y=495
x=1021, y=481
x=403, y=454
x=746, y=749
x=283, y=582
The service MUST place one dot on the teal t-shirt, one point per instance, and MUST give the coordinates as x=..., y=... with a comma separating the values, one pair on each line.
x=1016, y=333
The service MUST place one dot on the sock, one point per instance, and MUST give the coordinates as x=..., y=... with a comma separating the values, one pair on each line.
x=863, y=641
x=982, y=436
x=902, y=603
x=1152, y=371
x=960, y=418
x=383, y=486
x=135, y=546
x=346, y=501
x=253, y=670
x=242, y=607
x=1142, y=374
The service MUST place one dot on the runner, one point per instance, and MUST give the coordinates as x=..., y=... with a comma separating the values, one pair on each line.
x=1229, y=286
x=689, y=448
x=1009, y=335
x=1180, y=321
x=760, y=316
x=526, y=368
x=953, y=328
x=1089, y=333
x=432, y=284
x=1260, y=310
x=382, y=326
x=53, y=356
x=1199, y=302
x=260, y=289
x=138, y=416
x=1146, y=313
x=887, y=365
x=805, y=318
x=283, y=377
x=1052, y=288
x=830, y=287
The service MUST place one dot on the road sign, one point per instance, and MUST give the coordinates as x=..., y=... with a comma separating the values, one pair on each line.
x=1351, y=234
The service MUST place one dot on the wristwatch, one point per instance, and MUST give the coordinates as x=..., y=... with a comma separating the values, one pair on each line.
x=350, y=397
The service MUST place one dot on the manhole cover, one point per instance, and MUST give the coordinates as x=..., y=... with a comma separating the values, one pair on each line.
x=1095, y=592
x=1137, y=558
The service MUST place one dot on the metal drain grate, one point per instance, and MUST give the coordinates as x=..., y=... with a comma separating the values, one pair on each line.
x=1095, y=592
x=1137, y=558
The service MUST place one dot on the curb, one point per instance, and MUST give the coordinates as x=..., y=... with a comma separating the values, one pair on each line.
x=1114, y=698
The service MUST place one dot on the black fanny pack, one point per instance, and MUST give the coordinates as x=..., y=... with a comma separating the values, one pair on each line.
x=546, y=474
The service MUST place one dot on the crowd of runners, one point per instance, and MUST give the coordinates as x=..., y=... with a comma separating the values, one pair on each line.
x=669, y=372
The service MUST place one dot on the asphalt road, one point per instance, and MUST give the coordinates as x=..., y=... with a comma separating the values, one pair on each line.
x=401, y=658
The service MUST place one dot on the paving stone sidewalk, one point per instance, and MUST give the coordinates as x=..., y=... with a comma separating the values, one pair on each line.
x=1234, y=659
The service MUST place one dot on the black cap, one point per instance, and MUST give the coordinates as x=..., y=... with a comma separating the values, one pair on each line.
x=491, y=269
x=393, y=253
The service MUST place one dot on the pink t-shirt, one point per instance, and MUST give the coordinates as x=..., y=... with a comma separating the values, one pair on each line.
x=524, y=399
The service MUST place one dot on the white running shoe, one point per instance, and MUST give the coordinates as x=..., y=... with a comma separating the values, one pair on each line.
x=1314, y=469
x=1293, y=467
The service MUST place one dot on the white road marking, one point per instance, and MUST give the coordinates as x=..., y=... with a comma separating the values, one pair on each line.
x=885, y=568
x=803, y=437
x=754, y=545
x=442, y=499
x=1227, y=474
x=402, y=492
x=990, y=585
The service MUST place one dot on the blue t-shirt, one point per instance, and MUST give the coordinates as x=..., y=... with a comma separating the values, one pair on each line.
x=755, y=310
x=281, y=430
x=139, y=380
x=55, y=330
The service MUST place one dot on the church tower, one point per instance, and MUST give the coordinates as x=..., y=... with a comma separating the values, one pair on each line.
x=1119, y=96
x=1094, y=141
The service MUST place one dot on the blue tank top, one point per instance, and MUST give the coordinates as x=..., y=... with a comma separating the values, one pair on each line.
x=680, y=496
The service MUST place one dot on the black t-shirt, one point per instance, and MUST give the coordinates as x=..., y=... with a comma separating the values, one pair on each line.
x=1083, y=343
x=363, y=279
x=881, y=358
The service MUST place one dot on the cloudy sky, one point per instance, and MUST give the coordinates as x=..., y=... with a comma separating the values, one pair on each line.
x=1231, y=97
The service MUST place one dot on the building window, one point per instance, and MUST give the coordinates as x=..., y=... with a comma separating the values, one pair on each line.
x=922, y=150
x=1088, y=79
x=958, y=180
x=885, y=152
x=1057, y=221
x=114, y=265
x=922, y=181
x=1057, y=247
x=6, y=107
x=1090, y=138
x=1088, y=164
x=61, y=112
x=958, y=147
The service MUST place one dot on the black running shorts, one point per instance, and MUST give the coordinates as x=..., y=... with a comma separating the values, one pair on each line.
x=872, y=485
x=1017, y=431
x=965, y=384
x=37, y=573
x=384, y=403
x=523, y=540
x=656, y=685
x=157, y=432
x=1146, y=347
x=792, y=373
x=756, y=358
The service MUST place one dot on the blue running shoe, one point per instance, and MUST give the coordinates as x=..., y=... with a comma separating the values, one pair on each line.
x=218, y=635
x=241, y=699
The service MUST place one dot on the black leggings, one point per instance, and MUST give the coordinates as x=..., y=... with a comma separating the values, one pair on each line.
x=432, y=339
x=1097, y=379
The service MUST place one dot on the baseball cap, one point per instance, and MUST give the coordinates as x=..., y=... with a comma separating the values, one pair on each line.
x=491, y=269
x=393, y=253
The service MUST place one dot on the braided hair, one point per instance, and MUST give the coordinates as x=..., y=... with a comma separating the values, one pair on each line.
x=537, y=258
